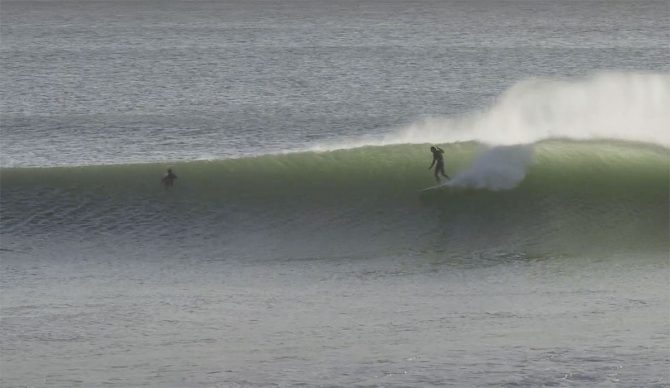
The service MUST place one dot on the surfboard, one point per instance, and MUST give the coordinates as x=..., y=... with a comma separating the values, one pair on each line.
x=436, y=187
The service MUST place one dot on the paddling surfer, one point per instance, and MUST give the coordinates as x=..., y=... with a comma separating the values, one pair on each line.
x=438, y=162
x=168, y=178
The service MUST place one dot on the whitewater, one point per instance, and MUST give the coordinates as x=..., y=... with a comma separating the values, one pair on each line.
x=611, y=106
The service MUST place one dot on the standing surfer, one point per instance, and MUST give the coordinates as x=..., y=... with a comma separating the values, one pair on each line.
x=168, y=178
x=438, y=162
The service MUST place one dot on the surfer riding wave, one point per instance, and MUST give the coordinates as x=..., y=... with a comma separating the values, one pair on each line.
x=438, y=162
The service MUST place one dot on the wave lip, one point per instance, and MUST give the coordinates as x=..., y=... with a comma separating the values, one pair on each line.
x=606, y=106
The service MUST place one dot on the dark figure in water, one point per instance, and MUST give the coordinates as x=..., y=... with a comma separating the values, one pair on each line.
x=168, y=178
x=438, y=161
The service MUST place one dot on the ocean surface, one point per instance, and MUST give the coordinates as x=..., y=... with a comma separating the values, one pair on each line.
x=305, y=243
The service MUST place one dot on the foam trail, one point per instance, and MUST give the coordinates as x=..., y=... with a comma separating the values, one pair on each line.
x=499, y=168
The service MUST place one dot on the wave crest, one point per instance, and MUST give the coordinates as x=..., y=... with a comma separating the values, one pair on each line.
x=606, y=106
x=569, y=194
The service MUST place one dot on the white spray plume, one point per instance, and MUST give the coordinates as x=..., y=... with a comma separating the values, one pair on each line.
x=630, y=107
x=617, y=106
x=500, y=168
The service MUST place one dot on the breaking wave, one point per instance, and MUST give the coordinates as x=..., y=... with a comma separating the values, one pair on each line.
x=553, y=195
x=606, y=106
x=554, y=166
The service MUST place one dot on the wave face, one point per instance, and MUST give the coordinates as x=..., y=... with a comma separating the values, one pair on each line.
x=562, y=197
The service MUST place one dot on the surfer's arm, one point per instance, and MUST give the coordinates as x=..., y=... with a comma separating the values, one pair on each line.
x=432, y=163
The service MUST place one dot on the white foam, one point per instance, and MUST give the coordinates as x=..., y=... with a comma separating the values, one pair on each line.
x=618, y=106
x=499, y=168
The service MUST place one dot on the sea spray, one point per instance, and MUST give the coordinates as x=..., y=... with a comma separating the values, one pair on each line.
x=499, y=168
x=614, y=106
x=606, y=106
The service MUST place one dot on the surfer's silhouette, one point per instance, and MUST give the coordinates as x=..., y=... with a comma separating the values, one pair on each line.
x=168, y=178
x=438, y=162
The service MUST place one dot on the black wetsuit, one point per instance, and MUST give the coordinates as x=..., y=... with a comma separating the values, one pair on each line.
x=168, y=179
x=438, y=160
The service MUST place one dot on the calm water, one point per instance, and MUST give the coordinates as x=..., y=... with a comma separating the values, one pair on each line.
x=545, y=263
